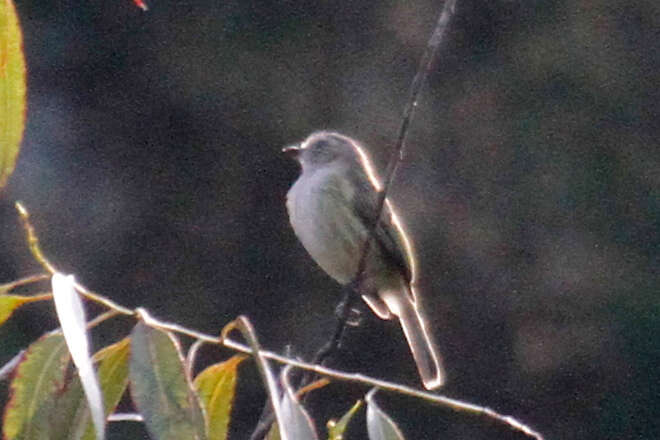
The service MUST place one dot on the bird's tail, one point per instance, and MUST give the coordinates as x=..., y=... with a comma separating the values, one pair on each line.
x=424, y=350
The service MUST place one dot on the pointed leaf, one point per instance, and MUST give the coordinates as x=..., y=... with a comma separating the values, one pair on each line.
x=274, y=432
x=12, y=89
x=379, y=425
x=295, y=420
x=9, y=303
x=216, y=386
x=113, y=375
x=160, y=388
x=71, y=314
x=336, y=429
x=40, y=374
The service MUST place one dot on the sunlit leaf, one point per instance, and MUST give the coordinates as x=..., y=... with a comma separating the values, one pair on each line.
x=39, y=375
x=71, y=315
x=9, y=303
x=379, y=425
x=12, y=89
x=216, y=386
x=336, y=429
x=274, y=432
x=113, y=376
x=160, y=388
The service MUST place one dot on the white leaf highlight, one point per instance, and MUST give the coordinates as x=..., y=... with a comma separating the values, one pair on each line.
x=379, y=425
x=295, y=421
x=71, y=314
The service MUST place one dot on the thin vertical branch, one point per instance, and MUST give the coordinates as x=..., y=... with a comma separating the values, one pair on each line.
x=396, y=156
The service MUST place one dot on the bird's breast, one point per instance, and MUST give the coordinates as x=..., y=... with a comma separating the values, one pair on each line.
x=323, y=217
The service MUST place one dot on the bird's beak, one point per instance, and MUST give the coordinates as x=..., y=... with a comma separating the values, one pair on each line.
x=292, y=151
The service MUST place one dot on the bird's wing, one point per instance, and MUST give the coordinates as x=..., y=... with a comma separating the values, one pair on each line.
x=388, y=235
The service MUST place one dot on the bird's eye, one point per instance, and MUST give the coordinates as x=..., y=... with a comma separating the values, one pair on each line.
x=321, y=145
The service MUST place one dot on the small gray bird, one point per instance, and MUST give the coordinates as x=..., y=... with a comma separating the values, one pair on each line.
x=329, y=208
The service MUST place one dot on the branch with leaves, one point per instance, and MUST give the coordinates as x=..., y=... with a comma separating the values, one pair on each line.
x=152, y=362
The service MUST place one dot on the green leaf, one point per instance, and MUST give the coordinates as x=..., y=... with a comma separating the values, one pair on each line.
x=379, y=425
x=216, y=386
x=62, y=411
x=12, y=89
x=39, y=375
x=274, y=432
x=160, y=388
x=66, y=414
x=113, y=375
x=9, y=303
x=72, y=405
x=336, y=429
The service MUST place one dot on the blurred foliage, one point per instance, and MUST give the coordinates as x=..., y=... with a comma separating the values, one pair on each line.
x=12, y=89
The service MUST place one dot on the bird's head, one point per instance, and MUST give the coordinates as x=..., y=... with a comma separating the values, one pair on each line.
x=324, y=148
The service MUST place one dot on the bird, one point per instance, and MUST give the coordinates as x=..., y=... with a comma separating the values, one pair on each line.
x=331, y=208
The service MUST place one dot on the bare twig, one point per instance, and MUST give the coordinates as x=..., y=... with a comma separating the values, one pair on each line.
x=191, y=356
x=125, y=417
x=33, y=241
x=35, y=248
x=8, y=368
x=102, y=300
x=454, y=404
x=396, y=156
x=102, y=318
x=23, y=281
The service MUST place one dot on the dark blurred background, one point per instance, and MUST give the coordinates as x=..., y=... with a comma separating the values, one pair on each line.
x=151, y=165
